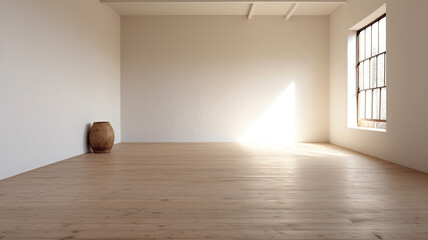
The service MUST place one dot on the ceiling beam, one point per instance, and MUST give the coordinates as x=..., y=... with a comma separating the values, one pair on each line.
x=252, y=10
x=224, y=1
x=292, y=10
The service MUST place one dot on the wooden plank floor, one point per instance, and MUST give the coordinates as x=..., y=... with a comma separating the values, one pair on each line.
x=216, y=191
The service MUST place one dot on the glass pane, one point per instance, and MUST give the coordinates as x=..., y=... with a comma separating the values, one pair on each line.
x=381, y=71
x=361, y=76
x=382, y=35
x=373, y=72
x=383, y=104
x=375, y=37
x=361, y=45
x=368, y=42
x=369, y=104
x=376, y=101
x=361, y=104
x=366, y=74
x=380, y=125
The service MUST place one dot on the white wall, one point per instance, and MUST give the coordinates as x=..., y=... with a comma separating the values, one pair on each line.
x=210, y=78
x=405, y=141
x=59, y=71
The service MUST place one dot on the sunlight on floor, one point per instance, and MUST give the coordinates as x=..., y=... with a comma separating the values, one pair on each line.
x=277, y=124
x=301, y=149
x=315, y=149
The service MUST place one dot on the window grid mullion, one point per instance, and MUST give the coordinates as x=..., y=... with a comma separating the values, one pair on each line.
x=360, y=63
x=357, y=56
x=372, y=57
x=370, y=69
x=380, y=103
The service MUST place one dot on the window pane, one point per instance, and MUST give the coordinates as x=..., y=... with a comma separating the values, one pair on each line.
x=382, y=35
x=383, y=104
x=366, y=74
x=361, y=45
x=380, y=125
x=369, y=104
x=373, y=72
x=376, y=101
x=371, y=69
x=361, y=104
x=368, y=42
x=375, y=37
x=381, y=70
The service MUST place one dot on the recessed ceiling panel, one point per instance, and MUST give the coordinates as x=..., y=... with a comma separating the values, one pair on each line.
x=187, y=8
x=219, y=8
x=272, y=8
x=316, y=9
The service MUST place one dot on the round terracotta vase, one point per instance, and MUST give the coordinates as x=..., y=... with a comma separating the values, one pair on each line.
x=101, y=137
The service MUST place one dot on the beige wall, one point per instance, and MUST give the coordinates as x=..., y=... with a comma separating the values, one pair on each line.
x=211, y=78
x=59, y=71
x=405, y=141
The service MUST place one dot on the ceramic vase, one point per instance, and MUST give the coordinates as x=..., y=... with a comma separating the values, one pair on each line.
x=101, y=137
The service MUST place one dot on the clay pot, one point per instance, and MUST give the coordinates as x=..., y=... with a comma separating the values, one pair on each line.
x=101, y=137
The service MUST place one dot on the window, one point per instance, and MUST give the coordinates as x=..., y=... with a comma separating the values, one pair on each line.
x=371, y=75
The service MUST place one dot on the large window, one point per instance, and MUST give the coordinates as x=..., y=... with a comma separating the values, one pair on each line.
x=371, y=74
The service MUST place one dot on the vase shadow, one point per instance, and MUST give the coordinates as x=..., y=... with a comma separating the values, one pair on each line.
x=87, y=147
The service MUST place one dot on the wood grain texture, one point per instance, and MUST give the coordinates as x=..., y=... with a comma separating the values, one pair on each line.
x=101, y=137
x=216, y=191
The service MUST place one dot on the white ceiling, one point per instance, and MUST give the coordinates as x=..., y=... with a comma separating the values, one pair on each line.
x=218, y=7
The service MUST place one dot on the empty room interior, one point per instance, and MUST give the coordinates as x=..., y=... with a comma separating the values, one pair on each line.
x=214, y=119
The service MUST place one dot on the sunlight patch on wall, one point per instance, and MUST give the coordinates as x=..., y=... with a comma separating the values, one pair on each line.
x=277, y=124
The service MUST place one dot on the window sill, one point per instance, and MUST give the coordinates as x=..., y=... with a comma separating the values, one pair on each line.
x=369, y=129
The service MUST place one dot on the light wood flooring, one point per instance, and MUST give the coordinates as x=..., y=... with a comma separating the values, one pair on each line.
x=216, y=191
